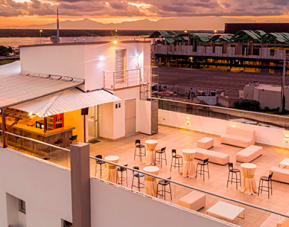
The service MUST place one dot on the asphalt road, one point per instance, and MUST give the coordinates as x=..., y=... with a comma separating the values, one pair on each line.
x=215, y=79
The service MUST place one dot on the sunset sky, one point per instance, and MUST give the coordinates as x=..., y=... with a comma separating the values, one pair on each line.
x=38, y=12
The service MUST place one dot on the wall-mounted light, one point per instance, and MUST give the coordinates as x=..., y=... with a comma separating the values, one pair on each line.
x=101, y=58
x=188, y=120
x=286, y=138
x=115, y=41
x=233, y=126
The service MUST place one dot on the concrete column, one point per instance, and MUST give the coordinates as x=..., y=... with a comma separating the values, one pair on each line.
x=80, y=184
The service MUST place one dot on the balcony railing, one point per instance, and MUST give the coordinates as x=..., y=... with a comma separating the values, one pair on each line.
x=121, y=79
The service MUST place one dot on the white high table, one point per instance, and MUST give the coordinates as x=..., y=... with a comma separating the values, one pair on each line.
x=226, y=211
x=110, y=173
x=248, y=185
x=189, y=168
x=151, y=182
x=151, y=152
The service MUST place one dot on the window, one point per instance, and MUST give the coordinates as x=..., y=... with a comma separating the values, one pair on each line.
x=22, y=206
x=120, y=65
x=66, y=223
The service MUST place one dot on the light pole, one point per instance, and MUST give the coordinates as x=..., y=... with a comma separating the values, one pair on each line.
x=40, y=31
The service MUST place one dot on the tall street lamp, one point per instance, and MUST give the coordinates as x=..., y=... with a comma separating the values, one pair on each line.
x=40, y=31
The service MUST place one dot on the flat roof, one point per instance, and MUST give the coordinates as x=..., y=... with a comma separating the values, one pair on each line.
x=86, y=43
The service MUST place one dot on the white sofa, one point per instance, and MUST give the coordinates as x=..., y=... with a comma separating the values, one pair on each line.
x=194, y=201
x=275, y=220
x=238, y=137
x=215, y=157
x=280, y=174
x=249, y=154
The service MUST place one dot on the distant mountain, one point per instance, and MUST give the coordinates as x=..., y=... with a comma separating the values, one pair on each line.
x=192, y=23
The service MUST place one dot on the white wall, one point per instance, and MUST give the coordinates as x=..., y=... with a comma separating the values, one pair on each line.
x=45, y=188
x=82, y=60
x=265, y=135
x=113, y=206
x=145, y=117
x=106, y=120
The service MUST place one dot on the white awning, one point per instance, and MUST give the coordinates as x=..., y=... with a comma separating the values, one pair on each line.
x=66, y=101
x=10, y=69
x=20, y=88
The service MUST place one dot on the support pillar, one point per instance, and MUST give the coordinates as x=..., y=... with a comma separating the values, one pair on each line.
x=80, y=184
x=4, y=141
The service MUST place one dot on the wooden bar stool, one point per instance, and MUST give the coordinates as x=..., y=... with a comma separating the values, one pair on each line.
x=202, y=170
x=162, y=192
x=121, y=178
x=100, y=163
x=138, y=150
x=138, y=176
x=269, y=187
x=232, y=171
x=177, y=160
x=159, y=156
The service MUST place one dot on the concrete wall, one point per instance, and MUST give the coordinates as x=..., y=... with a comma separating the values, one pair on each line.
x=82, y=61
x=265, y=135
x=106, y=120
x=113, y=206
x=44, y=187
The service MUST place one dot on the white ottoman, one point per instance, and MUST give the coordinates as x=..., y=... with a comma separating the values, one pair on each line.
x=194, y=201
x=205, y=143
x=249, y=154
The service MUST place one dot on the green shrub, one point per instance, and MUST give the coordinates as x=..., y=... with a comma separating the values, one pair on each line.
x=245, y=104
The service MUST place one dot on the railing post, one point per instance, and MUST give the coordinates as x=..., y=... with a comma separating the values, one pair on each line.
x=126, y=74
x=80, y=184
x=104, y=79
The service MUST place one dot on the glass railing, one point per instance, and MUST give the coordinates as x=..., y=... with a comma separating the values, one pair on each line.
x=231, y=210
x=177, y=104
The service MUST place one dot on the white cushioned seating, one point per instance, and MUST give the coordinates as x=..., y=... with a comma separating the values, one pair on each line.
x=238, y=137
x=275, y=220
x=215, y=157
x=249, y=154
x=280, y=174
x=205, y=143
x=194, y=200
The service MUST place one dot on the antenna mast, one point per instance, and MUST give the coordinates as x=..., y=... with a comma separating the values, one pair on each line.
x=57, y=27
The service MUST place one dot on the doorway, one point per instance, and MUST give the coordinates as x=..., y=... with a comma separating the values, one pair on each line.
x=130, y=117
x=92, y=123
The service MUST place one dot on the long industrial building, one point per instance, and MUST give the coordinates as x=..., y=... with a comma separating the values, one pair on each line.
x=246, y=50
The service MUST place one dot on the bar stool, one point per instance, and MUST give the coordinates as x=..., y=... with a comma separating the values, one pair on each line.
x=138, y=176
x=160, y=154
x=269, y=187
x=100, y=163
x=202, y=170
x=162, y=192
x=72, y=138
x=139, y=147
x=231, y=173
x=176, y=158
x=122, y=178
x=58, y=143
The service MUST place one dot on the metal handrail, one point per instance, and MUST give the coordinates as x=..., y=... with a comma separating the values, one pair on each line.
x=191, y=187
x=161, y=178
x=36, y=141
x=223, y=108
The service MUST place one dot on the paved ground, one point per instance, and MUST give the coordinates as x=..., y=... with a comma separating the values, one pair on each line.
x=215, y=79
x=180, y=139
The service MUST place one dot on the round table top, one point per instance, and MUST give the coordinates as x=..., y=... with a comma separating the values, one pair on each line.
x=190, y=151
x=111, y=158
x=151, y=169
x=151, y=141
x=248, y=165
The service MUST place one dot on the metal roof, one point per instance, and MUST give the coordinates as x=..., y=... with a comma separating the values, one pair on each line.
x=66, y=101
x=22, y=87
x=202, y=37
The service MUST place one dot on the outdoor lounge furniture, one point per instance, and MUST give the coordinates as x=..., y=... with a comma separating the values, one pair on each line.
x=214, y=157
x=194, y=201
x=268, y=187
x=231, y=178
x=203, y=163
x=275, y=220
x=205, y=143
x=249, y=154
x=238, y=137
x=280, y=174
